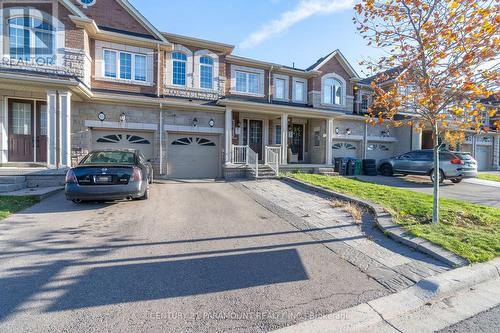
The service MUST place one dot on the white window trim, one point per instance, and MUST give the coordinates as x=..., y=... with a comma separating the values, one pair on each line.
x=132, y=69
x=259, y=72
x=215, y=69
x=304, y=92
x=186, y=69
x=344, y=89
x=169, y=63
x=286, y=93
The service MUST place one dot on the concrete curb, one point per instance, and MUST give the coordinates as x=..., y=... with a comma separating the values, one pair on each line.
x=385, y=308
x=384, y=222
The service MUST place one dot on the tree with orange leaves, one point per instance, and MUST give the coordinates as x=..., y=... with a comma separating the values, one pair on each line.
x=445, y=53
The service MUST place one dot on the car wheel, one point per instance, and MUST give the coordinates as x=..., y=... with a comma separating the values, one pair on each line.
x=441, y=176
x=146, y=194
x=386, y=170
x=456, y=180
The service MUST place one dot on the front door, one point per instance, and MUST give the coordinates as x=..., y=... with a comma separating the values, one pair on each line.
x=297, y=144
x=255, y=136
x=41, y=132
x=21, y=120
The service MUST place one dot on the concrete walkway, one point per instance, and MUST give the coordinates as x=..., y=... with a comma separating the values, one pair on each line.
x=391, y=264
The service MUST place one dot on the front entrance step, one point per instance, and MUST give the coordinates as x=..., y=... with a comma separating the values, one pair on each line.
x=12, y=187
x=326, y=171
x=12, y=179
x=265, y=172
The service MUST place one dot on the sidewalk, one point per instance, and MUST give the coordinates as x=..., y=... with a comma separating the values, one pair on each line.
x=432, y=304
x=394, y=265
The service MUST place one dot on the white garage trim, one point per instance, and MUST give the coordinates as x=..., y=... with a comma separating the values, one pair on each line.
x=177, y=140
x=120, y=125
x=348, y=137
x=192, y=129
x=382, y=139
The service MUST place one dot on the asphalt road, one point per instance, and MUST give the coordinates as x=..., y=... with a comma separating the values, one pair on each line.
x=488, y=195
x=196, y=257
x=485, y=322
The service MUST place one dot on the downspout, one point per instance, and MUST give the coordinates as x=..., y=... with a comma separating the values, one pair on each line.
x=159, y=82
x=269, y=85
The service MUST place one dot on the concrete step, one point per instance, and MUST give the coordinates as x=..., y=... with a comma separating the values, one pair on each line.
x=332, y=174
x=12, y=187
x=322, y=170
x=12, y=179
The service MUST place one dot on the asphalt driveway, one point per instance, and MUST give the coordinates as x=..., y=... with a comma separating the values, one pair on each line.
x=472, y=190
x=195, y=257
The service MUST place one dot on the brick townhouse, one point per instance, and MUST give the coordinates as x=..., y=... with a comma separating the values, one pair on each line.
x=77, y=75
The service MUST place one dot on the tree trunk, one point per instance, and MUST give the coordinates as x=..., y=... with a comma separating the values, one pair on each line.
x=435, y=206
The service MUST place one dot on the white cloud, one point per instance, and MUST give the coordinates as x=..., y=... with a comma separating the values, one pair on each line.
x=304, y=10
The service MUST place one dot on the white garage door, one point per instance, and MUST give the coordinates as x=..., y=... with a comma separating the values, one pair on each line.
x=346, y=149
x=378, y=151
x=193, y=156
x=483, y=157
x=109, y=139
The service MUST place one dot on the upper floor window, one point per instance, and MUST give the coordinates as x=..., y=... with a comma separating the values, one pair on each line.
x=206, y=72
x=124, y=66
x=179, y=68
x=247, y=82
x=280, y=86
x=31, y=39
x=299, y=91
x=332, y=91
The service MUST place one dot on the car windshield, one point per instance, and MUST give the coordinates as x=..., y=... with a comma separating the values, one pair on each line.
x=109, y=157
x=464, y=156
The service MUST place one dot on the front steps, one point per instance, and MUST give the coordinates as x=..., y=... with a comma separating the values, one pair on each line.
x=12, y=183
x=265, y=172
x=326, y=171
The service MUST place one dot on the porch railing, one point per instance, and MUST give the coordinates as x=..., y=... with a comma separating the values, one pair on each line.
x=240, y=155
x=275, y=149
x=272, y=158
x=253, y=161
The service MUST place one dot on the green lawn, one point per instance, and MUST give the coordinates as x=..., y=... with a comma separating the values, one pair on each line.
x=469, y=230
x=489, y=176
x=10, y=205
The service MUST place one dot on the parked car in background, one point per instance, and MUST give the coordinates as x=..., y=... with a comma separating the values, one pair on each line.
x=421, y=162
x=109, y=175
x=469, y=169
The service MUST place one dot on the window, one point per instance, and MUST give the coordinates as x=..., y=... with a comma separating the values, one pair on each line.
x=299, y=91
x=280, y=88
x=247, y=82
x=277, y=135
x=179, y=68
x=125, y=66
x=206, y=72
x=140, y=68
x=332, y=91
x=364, y=102
x=109, y=63
x=31, y=39
x=21, y=118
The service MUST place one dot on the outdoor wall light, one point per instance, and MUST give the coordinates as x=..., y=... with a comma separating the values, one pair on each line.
x=337, y=130
x=211, y=123
x=195, y=122
x=123, y=117
x=101, y=116
x=348, y=131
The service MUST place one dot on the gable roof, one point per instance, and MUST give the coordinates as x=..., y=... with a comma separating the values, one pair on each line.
x=343, y=61
x=391, y=74
x=73, y=9
x=141, y=19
